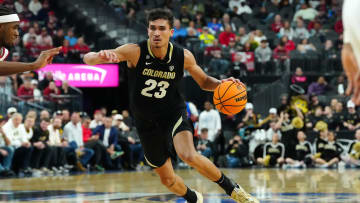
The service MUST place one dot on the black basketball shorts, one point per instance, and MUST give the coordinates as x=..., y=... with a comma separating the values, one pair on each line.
x=156, y=137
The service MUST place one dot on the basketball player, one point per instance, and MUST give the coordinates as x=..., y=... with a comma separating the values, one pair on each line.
x=350, y=54
x=9, y=25
x=156, y=67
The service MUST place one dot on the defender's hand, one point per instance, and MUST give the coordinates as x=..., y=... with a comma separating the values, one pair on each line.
x=46, y=57
x=108, y=56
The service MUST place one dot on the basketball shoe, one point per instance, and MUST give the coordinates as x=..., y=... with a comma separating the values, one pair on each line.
x=241, y=196
x=199, y=196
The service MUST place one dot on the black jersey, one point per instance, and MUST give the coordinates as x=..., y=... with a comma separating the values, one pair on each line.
x=275, y=150
x=331, y=150
x=319, y=145
x=155, y=84
x=302, y=149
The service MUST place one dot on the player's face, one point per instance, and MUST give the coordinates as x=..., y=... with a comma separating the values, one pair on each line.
x=9, y=34
x=159, y=33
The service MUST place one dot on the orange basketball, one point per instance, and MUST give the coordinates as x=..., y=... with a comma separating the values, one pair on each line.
x=230, y=97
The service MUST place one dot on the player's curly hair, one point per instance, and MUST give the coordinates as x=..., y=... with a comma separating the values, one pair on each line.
x=6, y=11
x=160, y=13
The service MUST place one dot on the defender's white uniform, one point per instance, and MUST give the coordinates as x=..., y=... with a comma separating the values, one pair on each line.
x=351, y=23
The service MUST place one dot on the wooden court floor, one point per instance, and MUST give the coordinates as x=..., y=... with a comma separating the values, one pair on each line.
x=269, y=185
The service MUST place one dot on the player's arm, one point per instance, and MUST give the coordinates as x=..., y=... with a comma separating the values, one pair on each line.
x=205, y=82
x=45, y=58
x=122, y=53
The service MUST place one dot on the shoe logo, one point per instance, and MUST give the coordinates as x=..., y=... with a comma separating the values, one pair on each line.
x=148, y=63
x=171, y=68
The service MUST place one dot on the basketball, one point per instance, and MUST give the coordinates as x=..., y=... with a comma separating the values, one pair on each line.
x=230, y=97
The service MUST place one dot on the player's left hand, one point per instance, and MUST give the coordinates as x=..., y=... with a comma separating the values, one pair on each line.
x=231, y=79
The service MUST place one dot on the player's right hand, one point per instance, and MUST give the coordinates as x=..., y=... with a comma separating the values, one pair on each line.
x=108, y=56
x=46, y=57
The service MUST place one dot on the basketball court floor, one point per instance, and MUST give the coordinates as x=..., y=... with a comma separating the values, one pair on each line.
x=269, y=185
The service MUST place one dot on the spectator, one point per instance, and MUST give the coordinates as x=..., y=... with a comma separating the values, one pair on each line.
x=242, y=37
x=273, y=154
x=320, y=87
x=44, y=40
x=73, y=135
x=130, y=142
x=6, y=155
x=65, y=116
x=226, y=35
x=128, y=120
x=259, y=36
x=42, y=153
x=51, y=91
x=228, y=51
x=184, y=16
x=43, y=14
x=98, y=117
x=332, y=57
x=287, y=30
x=248, y=122
x=214, y=25
x=26, y=91
x=210, y=119
x=299, y=78
x=353, y=157
x=302, y=151
x=35, y=6
x=273, y=127
x=312, y=120
x=217, y=63
x=263, y=15
x=277, y=24
x=37, y=93
x=330, y=119
x=86, y=129
x=196, y=7
x=263, y=58
x=58, y=146
x=300, y=31
x=204, y=146
x=206, y=37
x=108, y=136
x=59, y=37
x=20, y=6
x=20, y=142
x=281, y=58
x=44, y=114
x=237, y=153
x=331, y=152
x=227, y=21
x=351, y=121
x=314, y=103
x=71, y=38
x=305, y=46
x=45, y=82
x=10, y=112
x=199, y=20
x=180, y=33
x=339, y=28
x=32, y=48
x=289, y=44
x=243, y=8
x=306, y=12
x=27, y=36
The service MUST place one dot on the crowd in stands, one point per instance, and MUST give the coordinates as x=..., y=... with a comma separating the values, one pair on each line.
x=57, y=143
x=239, y=37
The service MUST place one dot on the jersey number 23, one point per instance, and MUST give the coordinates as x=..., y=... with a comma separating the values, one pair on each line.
x=152, y=84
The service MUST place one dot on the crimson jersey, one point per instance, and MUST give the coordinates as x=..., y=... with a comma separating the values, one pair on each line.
x=4, y=53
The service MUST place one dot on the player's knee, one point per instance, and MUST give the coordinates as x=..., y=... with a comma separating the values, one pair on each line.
x=168, y=181
x=188, y=156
